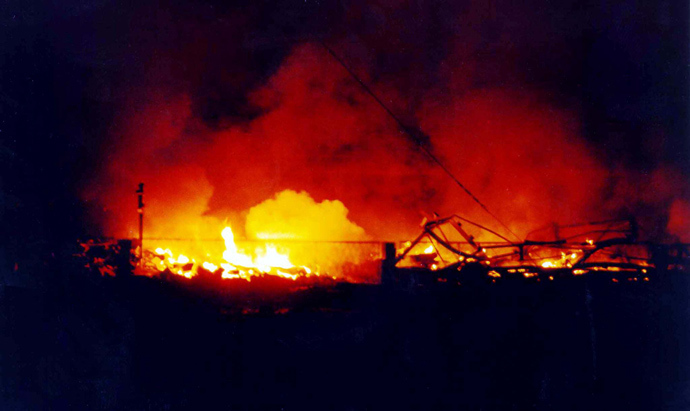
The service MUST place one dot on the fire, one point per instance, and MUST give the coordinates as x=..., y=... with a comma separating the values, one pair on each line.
x=236, y=263
x=566, y=260
x=209, y=266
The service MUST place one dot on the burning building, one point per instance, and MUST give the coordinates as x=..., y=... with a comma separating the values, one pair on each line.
x=289, y=151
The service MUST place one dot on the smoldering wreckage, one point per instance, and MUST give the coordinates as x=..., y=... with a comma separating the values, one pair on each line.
x=444, y=252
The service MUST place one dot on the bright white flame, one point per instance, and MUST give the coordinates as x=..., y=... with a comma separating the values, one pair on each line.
x=209, y=266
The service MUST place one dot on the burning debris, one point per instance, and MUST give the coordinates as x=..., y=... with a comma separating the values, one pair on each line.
x=448, y=250
x=235, y=263
x=280, y=226
x=445, y=251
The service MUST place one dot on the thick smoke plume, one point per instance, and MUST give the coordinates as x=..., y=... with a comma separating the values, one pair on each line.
x=497, y=89
x=547, y=111
x=523, y=157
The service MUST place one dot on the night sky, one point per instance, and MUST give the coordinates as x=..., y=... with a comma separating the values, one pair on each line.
x=73, y=72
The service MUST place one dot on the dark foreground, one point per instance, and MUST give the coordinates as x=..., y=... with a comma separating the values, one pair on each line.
x=138, y=344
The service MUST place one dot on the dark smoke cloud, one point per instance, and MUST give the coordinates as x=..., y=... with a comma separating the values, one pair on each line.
x=255, y=94
x=96, y=95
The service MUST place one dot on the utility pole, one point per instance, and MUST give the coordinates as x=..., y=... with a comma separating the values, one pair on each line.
x=140, y=210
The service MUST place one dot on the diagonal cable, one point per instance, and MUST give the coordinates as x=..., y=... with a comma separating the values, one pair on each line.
x=410, y=132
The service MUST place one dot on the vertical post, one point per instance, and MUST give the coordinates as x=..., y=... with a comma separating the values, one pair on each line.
x=140, y=210
x=388, y=264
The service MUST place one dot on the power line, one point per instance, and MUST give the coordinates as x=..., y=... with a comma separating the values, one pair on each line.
x=412, y=135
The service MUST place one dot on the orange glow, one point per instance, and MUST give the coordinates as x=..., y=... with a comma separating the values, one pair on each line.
x=289, y=235
x=522, y=157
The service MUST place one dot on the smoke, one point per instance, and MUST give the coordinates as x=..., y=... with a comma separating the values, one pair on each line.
x=293, y=215
x=322, y=138
x=306, y=224
x=679, y=220
x=500, y=98
x=519, y=155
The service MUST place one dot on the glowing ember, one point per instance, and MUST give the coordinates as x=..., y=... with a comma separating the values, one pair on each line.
x=566, y=261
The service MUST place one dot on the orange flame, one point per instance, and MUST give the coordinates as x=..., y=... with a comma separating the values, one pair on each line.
x=236, y=263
